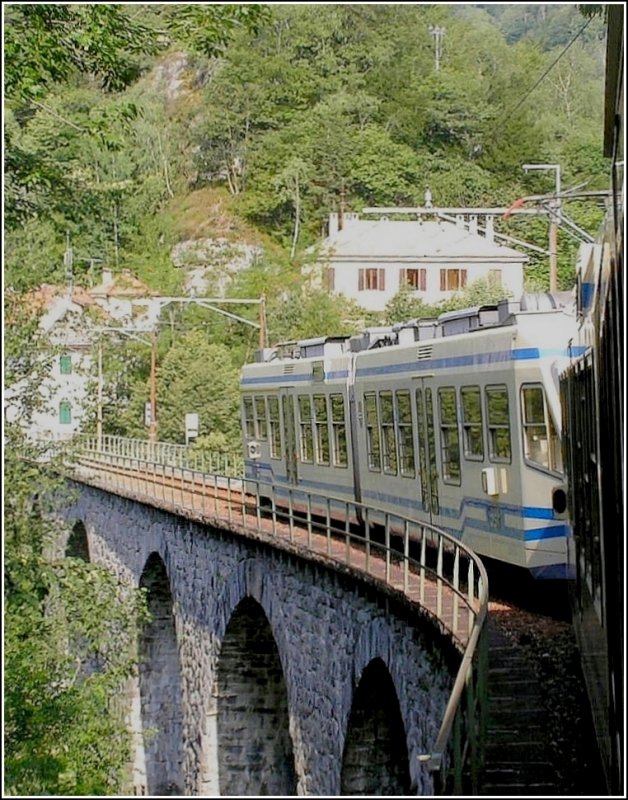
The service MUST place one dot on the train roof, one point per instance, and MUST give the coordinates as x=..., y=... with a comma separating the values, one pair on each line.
x=450, y=323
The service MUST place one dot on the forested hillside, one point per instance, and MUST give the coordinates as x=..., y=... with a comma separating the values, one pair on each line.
x=167, y=137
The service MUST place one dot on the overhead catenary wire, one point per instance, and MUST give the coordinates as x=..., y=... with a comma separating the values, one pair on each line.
x=511, y=111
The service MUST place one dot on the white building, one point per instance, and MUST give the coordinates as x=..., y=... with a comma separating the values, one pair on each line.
x=370, y=260
x=59, y=404
x=69, y=321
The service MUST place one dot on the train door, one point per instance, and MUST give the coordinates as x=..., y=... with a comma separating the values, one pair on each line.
x=289, y=437
x=428, y=472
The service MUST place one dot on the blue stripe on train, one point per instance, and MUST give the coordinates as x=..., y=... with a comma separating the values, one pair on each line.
x=408, y=504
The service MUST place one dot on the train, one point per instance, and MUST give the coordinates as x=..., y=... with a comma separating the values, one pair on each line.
x=593, y=422
x=455, y=422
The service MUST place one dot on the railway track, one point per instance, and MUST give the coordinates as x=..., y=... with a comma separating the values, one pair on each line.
x=540, y=738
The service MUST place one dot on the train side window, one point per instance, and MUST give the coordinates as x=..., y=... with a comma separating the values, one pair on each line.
x=274, y=427
x=406, y=437
x=498, y=420
x=260, y=415
x=322, y=429
x=306, y=437
x=541, y=445
x=249, y=417
x=372, y=432
x=473, y=435
x=449, y=435
x=389, y=443
x=339, y=430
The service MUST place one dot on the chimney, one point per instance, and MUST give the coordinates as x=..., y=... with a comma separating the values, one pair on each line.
x=350, y=218
x=460, y=220
x=489, y=230
x=107, y=277
x=333, y=224
x=473, y=224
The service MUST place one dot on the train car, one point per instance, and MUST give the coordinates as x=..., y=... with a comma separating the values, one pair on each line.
x=594, y=426
x=454, y=422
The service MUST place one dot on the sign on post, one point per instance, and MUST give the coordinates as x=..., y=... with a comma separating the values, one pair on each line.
x=191, y=427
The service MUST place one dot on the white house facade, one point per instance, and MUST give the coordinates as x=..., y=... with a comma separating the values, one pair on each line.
x=370, y=260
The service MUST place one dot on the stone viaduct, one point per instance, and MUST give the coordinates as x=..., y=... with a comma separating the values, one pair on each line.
x=262, y=671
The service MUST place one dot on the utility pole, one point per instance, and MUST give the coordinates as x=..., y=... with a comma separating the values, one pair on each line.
x=438, y=33
x=152, y=431
x=262, y=322
x=554, y=222
x=341, y=210
x=68, y=260
x=99, y=406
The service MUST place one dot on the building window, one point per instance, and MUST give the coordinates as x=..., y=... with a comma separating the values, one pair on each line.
x=329, y=279
x=65, y=365
x=472, y=423
x=65, y=413
x=413, y=278
x=449, y=437
x=275, y=430
x=498, y=419
x=372, y=432
x=540, y=440
x=371, y=279
x=452, y=279
x=339, y=430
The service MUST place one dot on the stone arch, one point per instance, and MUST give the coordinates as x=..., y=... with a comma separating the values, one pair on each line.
x=160, y=684
x=78, y=544
x=375, y=759
x=254, y=749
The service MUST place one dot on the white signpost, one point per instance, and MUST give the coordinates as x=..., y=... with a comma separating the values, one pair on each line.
x=191, y=427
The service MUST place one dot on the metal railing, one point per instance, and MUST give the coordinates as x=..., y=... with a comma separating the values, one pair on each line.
x=176, y=455
x=432, y=569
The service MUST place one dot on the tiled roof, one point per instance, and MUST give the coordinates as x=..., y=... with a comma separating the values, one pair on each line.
x=390, y=239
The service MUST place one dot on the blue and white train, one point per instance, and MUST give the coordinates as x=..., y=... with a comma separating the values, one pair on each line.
x=455, y=422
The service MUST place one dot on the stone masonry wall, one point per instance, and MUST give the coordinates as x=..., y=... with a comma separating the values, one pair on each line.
x=311, y=635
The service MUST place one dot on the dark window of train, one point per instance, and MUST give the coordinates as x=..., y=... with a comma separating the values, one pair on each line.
x=372, y=432
x=275, y=428
x=452, y=279
x=449, y=435
x=249, y=417
x=431, y=446
x=472, y=423
x=498, y=419
x=406, y=438
x=414, y=279
x=541, y=444
x=260, y=415
x=306, y=438
x=339, y=430
x=389, y=445
x=322, y=429
x=420, y=415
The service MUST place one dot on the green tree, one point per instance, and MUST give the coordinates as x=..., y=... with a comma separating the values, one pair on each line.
x=198, y=377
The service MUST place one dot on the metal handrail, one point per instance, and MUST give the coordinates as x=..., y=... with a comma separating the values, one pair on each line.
x=460, y=717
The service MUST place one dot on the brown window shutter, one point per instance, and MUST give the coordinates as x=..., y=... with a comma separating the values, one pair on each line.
x=423, y=280
x=382, y=280
x=403, y=277
x=331, y=277
x=360, y=280
x=443, y=280
x=463, y=278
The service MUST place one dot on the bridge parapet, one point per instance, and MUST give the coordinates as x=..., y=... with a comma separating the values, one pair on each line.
x=431, y=572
